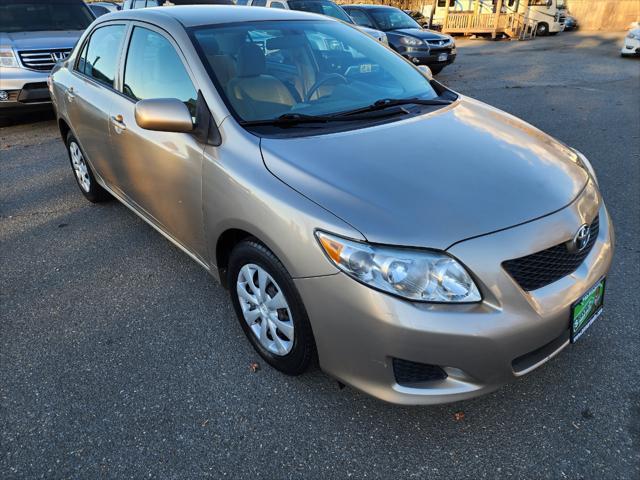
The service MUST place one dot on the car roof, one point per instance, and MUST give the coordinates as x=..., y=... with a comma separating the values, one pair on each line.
x=196, y=15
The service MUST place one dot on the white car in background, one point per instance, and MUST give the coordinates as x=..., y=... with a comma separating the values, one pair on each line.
x=631, y=45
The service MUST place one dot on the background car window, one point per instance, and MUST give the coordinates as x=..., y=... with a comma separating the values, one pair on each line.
x=154, y=70
x=322, y=7
x=99, y=59
x=360, y=18
x=276, y=5
x=32, y=16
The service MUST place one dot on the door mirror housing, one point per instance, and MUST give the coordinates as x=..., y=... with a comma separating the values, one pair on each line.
x=164, y=115
x=426, y=71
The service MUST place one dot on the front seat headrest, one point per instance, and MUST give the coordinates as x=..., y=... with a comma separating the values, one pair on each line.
x=251, y=61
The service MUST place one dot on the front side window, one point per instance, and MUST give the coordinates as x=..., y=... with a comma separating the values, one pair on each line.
x=139, y=3
x=36, y=16
x=311, y=67
x=153, y=69
x=99, y=58
x=392, y=19
x=360, y=18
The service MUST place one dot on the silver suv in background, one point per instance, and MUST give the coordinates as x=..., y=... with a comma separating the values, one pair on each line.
x=34, y=35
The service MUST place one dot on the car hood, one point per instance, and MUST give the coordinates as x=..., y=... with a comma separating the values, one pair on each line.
x=435, y=179
x=419, y=33
x=40, y=40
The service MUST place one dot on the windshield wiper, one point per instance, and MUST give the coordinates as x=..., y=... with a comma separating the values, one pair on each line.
x=291, y=119
x=394, y=102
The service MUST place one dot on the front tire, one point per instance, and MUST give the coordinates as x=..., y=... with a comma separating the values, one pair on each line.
x=269, y=308
x=543, y=29
x=82, y=171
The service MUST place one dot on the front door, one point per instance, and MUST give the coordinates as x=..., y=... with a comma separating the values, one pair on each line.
x=159, y=172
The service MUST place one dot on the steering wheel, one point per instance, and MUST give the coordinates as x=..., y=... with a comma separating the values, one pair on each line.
x=322, y=81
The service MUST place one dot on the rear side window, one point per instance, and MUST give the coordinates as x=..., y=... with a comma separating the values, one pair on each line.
x=259, y=3
x=99, y=58
x=276, y=5
x=139, y=3
x=154, y=70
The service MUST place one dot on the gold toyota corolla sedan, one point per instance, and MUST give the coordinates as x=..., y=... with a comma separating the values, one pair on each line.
x=423, y=246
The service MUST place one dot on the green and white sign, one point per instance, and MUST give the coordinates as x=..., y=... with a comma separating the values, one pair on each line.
x=586, y=310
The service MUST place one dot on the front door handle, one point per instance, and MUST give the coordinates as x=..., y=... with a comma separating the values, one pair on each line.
x=118, y=123
x=70, y=95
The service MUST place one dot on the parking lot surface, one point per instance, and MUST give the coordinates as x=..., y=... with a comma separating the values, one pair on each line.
x=121, y=358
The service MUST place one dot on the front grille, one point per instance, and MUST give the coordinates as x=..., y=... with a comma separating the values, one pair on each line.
x=42, y=59
x=547, y=266
x=411, y=373
x=438, y=43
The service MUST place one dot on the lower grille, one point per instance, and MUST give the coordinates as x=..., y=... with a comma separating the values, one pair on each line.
x=547, y=266
x=410, y=373
x=42, y=59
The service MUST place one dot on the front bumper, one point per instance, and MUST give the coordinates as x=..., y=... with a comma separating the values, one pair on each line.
x=433, y=57
x=481, y=347
x=25, y=89
x=631, y=47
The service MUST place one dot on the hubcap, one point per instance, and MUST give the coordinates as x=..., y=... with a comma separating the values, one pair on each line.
x=265, y=309
x=79, y=167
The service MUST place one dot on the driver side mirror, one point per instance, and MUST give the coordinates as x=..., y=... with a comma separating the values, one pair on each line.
x=426, y=71
x=164, y=115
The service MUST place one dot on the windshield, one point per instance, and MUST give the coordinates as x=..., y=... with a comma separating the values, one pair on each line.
x=322, y=7
x=32, y=16
x=268, y=69
x=392, y=19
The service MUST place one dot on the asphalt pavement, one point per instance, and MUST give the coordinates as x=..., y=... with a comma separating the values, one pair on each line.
x=121, y=358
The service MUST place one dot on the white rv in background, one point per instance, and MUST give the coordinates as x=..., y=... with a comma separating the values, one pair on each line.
x=550, y=14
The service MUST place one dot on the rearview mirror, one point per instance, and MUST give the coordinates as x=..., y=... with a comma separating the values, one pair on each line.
x=426, y=71
x=163, y=114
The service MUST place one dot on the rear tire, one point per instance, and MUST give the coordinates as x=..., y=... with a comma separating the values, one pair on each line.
x=83, y=174
x=269, y=308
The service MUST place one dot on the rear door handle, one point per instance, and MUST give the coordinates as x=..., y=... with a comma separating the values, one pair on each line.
x=118, y=123
x=70, y=95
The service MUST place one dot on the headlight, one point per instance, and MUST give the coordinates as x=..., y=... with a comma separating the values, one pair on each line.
x=411, y=41
x=633, y=35
x=582, y=160
x=8, y=58
x=418, y=275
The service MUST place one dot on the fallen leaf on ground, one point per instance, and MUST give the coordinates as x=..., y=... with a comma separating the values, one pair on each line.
x=254, y=367
x=458, y=416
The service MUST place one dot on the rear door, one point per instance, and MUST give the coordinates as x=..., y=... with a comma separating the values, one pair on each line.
x=159, y=172
x=90, y=94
